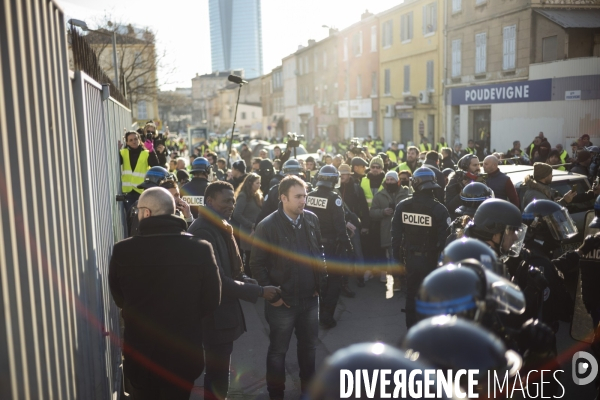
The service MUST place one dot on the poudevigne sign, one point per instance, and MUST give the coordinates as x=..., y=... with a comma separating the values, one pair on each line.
x=514, y=92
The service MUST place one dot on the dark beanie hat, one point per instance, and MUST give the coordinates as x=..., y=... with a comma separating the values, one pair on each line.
x=240, y=166
x=541, y=170
x=182, y=175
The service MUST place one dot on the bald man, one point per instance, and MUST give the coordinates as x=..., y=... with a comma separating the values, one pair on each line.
x=499, y=182
x=165, y=281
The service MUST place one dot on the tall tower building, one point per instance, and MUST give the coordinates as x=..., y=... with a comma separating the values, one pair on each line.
x=236, y=36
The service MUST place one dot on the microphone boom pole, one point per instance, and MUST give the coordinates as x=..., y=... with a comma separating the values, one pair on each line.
x=239, y=81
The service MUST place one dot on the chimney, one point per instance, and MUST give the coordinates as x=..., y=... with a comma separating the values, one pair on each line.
x=366, y=15
x=332, y=31
x=311, y=42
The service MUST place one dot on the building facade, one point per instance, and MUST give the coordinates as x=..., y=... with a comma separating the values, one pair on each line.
x=358, y=78
x=411, y=70
x=236, y=36
x=204, y=88
x=493, y=48
x=290, y=96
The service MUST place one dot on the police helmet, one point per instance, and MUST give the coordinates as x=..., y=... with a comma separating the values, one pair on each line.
x=424, y=178
x=467, y=248
x=472, y=195
x=153, y=177
x=596, y=221
x=451, y=343
x=328, y=381
x=545, y=217
x=328, y=176
x=451, y=290
x=200, y=164
x=447, y=171
x=292, y=167
x=498, y=216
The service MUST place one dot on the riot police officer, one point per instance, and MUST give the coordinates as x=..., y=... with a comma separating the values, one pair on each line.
x=419, y=230
x=271, y=200
x=193, y=191
x=471, y=197
x=589, y=263
x=328, y=206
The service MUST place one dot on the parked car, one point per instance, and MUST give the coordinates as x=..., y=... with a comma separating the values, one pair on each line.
x=562, y=182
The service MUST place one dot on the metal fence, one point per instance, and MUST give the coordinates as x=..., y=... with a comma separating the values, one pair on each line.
x=59, y=139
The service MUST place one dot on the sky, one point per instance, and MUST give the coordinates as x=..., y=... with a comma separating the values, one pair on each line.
x=182, y=27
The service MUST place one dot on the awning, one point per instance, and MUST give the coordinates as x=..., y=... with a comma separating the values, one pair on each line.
x=573, y=18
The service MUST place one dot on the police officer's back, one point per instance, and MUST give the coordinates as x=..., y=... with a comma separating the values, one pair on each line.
x=193, y=191
x=419, y=230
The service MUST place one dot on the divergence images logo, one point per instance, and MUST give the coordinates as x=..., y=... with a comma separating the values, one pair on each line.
x=584, y=363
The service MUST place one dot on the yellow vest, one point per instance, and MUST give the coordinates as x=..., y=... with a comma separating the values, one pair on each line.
x=440, y=146
x=530, y=151
x=403, y=167
x=563, y=160
x=469, y=150
x=392, y=155
x=365, y=185
x=423, y=148
x=131, y=179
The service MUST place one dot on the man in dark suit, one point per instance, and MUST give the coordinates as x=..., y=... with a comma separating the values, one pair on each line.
x=165, y=281
x=222, y=327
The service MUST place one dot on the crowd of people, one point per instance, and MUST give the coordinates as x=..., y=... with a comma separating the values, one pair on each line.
x=446, y=225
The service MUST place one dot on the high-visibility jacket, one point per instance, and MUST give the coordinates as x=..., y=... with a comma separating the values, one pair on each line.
x=131, y=179
x=392, y=156
x=563, y=160
x=370, y=147
x=365, y=185
x=470, y=150
x=440, y=146
x=378, y=145
x=530, y=150
x=425, y=148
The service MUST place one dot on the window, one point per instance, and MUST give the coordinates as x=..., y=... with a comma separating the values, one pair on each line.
x=373, y=83
x=358, y=87
x=456, y=5
x=300, y=69
x=456, y=58
x=387, y=83
x=406, y=27
x=243, y=115
x=430, y=76
x=479, y=2
x=429, y=18
x=345, y=49
x=357, y=44
x=346, y=88
x=480, y=52
x=509, y=47
x=306, y=68
x=316, y=57
x=386, y=36
x=142, y=112
x=324, y=59
x=374, y=38
x=549, y=50
x=407, y=79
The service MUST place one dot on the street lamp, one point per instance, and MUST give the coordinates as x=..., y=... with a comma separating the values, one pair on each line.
x=83, y=26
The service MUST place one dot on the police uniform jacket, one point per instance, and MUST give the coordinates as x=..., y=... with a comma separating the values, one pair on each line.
x=226, y=323
x=274, y=257
x=328, y=207
x=193, y=193
x=167, y=280
x=419, y=226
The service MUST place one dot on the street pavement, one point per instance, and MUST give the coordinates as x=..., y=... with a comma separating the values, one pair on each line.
x=373, y=315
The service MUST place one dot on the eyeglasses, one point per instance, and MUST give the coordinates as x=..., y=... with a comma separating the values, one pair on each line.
x=136, y=210
x=375, y=166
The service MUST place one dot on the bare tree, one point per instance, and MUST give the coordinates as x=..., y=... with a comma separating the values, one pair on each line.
x=137, y=58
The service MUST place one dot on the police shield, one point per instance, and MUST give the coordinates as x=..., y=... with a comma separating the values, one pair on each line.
x=582, y=327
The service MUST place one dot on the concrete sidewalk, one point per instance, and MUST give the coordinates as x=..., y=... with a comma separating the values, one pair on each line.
x=373, y=315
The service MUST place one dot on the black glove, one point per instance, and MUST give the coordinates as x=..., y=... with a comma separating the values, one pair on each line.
x=536, y=279
x=591, y=242
x=536, y=336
